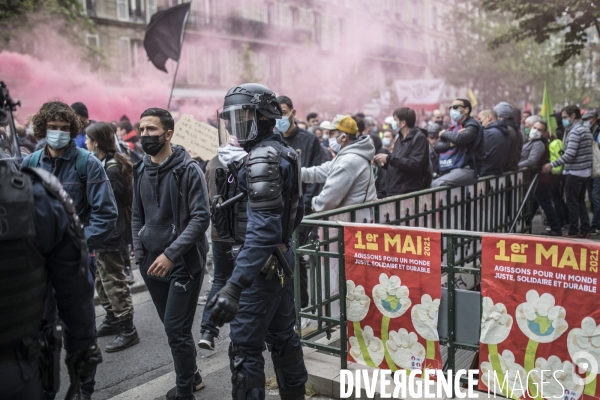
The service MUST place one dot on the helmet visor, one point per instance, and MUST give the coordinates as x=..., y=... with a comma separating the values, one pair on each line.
x=238, y=121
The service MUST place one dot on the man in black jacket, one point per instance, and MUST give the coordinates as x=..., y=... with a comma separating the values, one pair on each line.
x=505, y=115
x=170, y=216
x=408, y=165
x=496, y=144
x=309, y=148
x=460, y=147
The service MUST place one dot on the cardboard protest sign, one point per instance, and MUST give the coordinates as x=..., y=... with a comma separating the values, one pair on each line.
x=393, y=280
x=540, y=316
x=196, y=136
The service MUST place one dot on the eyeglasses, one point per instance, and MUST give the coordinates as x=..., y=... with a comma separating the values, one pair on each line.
x=455, y=107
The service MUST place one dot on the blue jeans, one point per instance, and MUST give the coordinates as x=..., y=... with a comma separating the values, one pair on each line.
x=223, y=268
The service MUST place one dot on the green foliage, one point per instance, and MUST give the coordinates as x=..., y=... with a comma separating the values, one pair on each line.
x=20, y=17
x=541, y=21
x=513, y=71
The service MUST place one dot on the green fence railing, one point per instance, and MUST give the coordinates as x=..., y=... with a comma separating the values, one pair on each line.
x=461, y=214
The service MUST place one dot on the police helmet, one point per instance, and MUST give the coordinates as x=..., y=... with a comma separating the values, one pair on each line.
x=243, y=106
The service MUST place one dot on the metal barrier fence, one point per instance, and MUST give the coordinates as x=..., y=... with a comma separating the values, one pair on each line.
x=487, y=206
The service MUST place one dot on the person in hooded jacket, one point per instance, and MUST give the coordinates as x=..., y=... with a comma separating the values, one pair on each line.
x=349, y=178
x=111, y=282
x=408, y=165
x=505, y=114
x=170, y=216
x=496, y=144
x=460, y=147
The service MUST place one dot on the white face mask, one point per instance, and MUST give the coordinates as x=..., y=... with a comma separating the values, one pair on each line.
x=335, y=146
x=534, y=134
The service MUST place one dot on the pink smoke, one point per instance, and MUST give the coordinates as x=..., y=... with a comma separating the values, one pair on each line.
x=35, y=81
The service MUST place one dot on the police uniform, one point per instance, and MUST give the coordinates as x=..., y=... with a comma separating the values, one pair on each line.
x=43, y=253
x=262, y=289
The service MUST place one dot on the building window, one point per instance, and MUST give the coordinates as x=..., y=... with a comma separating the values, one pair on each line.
x=92, y=40
x=196, y=67
x=122, y=10
x=151, y=9
x=125, y=57
x=434, y=18
x=83, y=5
x=282, y=15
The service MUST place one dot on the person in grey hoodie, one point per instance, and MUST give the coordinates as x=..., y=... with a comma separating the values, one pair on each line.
x=170, y=216
x=577, y=161
x=349, y=178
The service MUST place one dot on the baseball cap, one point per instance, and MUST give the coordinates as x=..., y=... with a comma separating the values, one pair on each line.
x=343, y=123
x=324, y=124
x=589, y=114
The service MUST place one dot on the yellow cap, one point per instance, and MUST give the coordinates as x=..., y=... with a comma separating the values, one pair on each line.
x=342, y=123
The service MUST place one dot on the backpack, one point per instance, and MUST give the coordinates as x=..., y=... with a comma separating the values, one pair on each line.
x=127, y=210
x=80, y=164
x=458, y=157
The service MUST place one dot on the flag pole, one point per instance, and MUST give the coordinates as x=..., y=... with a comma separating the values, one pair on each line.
x=177, y=67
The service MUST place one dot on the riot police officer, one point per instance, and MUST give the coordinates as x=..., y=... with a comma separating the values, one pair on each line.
x=43, y=253
x=258, y=299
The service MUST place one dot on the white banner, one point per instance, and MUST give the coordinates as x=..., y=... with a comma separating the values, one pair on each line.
x=420, y=92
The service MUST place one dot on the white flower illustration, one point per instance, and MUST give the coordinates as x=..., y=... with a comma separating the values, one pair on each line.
x=495, y=322
x=374, y=346
x=402, y=345
x=357, y=302
x=390, y=297
x=511, y=370
x=586, y=338
x=556, y=375
x=540, y=319
x=425, y=317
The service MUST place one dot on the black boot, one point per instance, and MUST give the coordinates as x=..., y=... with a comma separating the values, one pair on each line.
x=110, y=325
x=127, y=338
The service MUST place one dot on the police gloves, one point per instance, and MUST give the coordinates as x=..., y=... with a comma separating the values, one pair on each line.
x=225, y=304
x=81, y=363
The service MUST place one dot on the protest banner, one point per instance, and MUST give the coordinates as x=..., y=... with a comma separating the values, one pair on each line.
x=196, y=136
x=393, y=281
x=539, y=334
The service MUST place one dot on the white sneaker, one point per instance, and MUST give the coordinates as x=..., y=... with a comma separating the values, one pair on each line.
x=305, y=322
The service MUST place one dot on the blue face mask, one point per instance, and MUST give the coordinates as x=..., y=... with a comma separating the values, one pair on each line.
x=57, y=139
x=374, y=129
x=282, y=124
x=566, y=122
x=587, y=124
x=455, y=115
x=395, y=126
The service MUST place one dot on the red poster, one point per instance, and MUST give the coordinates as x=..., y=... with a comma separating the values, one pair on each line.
x=393, y=281
x=540, y=316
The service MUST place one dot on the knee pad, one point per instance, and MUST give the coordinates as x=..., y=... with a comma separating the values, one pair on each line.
x=280, y=364
x=241, y=383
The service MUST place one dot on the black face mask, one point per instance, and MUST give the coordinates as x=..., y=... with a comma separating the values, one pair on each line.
x=152, y=144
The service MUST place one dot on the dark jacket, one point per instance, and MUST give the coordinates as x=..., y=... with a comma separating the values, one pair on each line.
x=94, y=202
x=157, y=235
x=73, y=292
x=123, y=191
x=264, y=231
x=466, y=137
x=309, y=148
x=516, y=144
x=408, y=165
x=380, y=180
x=495, y=149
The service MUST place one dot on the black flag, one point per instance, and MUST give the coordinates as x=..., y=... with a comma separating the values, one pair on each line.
x=164, y=35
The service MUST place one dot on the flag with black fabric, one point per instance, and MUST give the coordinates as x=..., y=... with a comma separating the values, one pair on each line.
x=164, y=35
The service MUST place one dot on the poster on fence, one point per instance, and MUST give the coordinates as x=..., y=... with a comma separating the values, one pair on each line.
x=393, y=291
x=540, y=324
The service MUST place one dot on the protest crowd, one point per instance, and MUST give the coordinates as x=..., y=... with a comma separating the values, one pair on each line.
x=146, y=201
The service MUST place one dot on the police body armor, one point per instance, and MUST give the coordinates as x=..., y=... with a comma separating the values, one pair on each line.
x=23, y=275
x=229, y=222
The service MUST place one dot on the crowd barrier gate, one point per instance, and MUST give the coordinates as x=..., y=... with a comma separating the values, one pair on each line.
x=460, y=213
